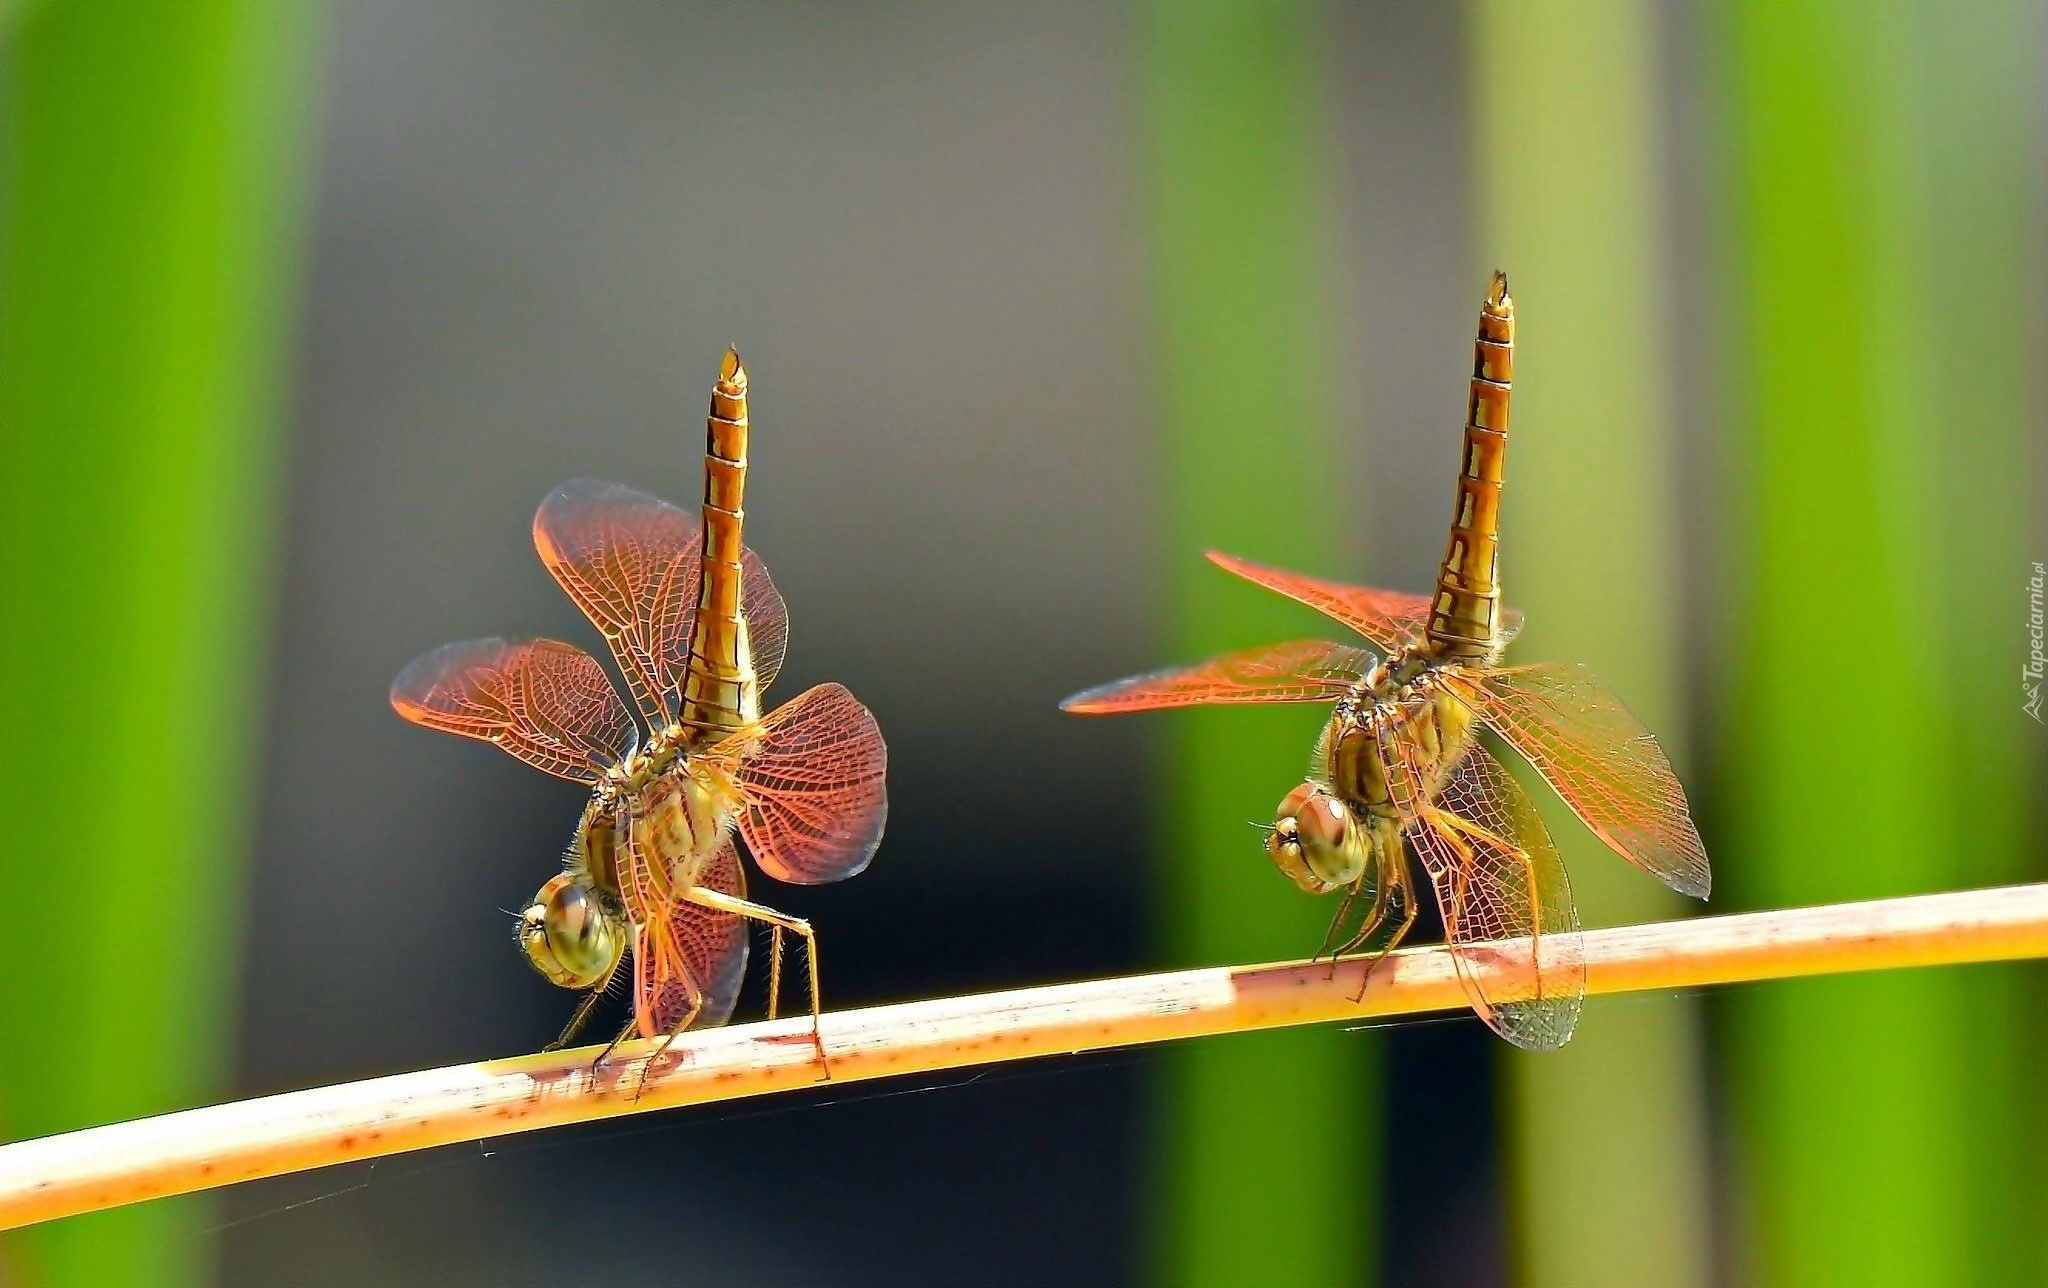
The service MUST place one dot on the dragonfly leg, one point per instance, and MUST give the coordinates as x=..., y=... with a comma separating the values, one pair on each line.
x=1336, y=923
x=1409, y=910
x=668, y=1039
x=583, y=1010
x=774, y=970
x=797, y=926
x=1375, y=917
x=632, y=1027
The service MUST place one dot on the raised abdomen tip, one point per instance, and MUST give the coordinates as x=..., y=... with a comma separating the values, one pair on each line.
x=730, y=372
x=1497, y=298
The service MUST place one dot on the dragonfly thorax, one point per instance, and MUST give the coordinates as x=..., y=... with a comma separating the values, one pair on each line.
x=653, y=824
x=1394, y=739
x=1390, y=679
x=652, y=759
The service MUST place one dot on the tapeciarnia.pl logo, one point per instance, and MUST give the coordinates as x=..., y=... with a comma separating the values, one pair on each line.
x=2030, y=674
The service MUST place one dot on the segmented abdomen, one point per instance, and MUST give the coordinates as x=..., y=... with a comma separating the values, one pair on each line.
x=1464, y=621
x=718, y=686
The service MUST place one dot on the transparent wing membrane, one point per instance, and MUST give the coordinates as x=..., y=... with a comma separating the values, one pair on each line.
x=1595, y=754
x=811, y=778
x=1302, y=671
x=548, y=703
x=1389, y=618
x=1506, y=903
x=630, y=561
x=689, y=964
x=767, y=620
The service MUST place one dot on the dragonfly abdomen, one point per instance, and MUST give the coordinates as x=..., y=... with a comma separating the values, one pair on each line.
x=719, y=689
x=1464, y=621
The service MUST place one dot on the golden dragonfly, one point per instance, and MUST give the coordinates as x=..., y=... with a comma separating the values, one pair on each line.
x=1399, y=764
x=698, y=631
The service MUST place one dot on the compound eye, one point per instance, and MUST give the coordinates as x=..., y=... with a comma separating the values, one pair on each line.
x=1297, y=800
x=1331, y=846
x=568, y=935
x=571, y=912
x=1285, y=844
x=1323, y=822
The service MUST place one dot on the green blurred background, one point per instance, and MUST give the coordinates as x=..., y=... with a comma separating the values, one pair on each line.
x=302, y=308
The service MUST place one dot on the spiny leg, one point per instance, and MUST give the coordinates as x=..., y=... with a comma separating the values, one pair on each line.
x=583, y=1010
x=576, y=1021
x=667, y=1039
x=1374, y=918
x=1398, y=763
x=774, y=969
x=1330, y=935
x=1409, y=910
x=719, y=900
x=632, y=1027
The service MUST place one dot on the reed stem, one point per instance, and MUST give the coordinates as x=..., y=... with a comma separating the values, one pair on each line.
x=104, y=1167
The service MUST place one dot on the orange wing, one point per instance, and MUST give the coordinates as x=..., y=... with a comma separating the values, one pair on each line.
x=1389, y=618
x=1303, y=671
x=548, y=703
x=629, y=560
x=689, y=965
x=1506, y=904
x=811, y=778
x=1595, y=754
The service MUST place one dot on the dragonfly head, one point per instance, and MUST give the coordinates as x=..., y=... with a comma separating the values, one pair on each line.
x=569, y=935
x=1316, y=840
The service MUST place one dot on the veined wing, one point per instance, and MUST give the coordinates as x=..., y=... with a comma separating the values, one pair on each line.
x=1595, y=754
x=1302, y=671
x=630, y=561
x=1389, y=618
x=810, y=777
x=689, y=964
x=1506, y=903
x=548, y=703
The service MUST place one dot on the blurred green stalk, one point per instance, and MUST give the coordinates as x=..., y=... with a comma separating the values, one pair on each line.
x=1607, y=1140
x=151, y=157
x=1981, y=155
x=1266, y=1161
x=1878, y=179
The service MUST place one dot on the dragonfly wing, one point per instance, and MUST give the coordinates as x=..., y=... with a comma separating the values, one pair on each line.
x=548, y=703
x=1388, y=618
x=1302, y=671
x=1506, y=904
x=688, y=965
x=1595, y=754
x=811, y=782
x=630, y=561
x=767, y=620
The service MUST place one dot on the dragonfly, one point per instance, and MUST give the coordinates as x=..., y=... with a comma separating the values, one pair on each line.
x=1399, y=767
x=698, y=630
